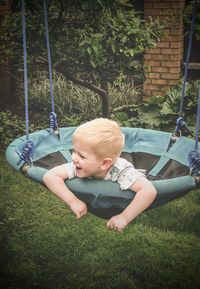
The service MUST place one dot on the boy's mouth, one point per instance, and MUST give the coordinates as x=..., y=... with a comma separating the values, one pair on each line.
x=78, y=168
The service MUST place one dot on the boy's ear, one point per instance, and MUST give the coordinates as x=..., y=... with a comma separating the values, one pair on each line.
x=106, y=164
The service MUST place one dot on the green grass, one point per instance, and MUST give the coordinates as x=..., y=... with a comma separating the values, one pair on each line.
x=43, y=246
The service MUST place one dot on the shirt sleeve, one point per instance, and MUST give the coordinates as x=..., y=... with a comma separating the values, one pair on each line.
x=124, y=173
x=71, y=171
x=128, y=177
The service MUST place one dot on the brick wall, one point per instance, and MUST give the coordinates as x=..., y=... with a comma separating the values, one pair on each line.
x=164, y=62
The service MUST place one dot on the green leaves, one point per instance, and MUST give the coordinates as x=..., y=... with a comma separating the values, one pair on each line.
x=161, y=112
x=95, y=41
x=97, y=38
x=113, y=47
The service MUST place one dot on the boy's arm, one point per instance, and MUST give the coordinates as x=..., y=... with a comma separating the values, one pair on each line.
x=145, y=195
x=54, y=180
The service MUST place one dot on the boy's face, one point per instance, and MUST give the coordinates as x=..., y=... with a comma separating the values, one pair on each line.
x=86, y=162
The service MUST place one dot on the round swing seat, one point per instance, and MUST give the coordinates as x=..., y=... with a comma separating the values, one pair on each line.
x=165, y=163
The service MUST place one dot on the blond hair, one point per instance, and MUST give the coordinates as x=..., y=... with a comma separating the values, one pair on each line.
x=104, y=136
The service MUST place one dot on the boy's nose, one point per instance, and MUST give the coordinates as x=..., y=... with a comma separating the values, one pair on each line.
x=74, y=158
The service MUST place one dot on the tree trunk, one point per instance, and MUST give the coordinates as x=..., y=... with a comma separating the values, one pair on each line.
x=102, y=92
x=105, y=100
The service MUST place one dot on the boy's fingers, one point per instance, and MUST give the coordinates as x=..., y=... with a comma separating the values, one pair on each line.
x=81, y=214
x=109, y=225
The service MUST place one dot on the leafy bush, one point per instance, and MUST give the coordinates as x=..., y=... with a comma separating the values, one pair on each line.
x=10, y=128
x=73, y=104
x=13, y=126
x=188, y=19
x=124, y=94
x=161, y=112
x=69, y=99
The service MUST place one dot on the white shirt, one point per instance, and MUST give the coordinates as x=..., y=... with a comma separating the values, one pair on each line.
x=121, y=171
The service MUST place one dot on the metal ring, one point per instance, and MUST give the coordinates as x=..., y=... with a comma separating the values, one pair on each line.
x=31, y=162
x=191, y=171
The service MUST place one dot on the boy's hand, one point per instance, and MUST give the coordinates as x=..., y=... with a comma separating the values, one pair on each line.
x=79, y=208
x=117, y=223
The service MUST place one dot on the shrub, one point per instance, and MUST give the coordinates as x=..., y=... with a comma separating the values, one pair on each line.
x=73, y=103
x=10, y=128
x=69, y=99
x=161, y=112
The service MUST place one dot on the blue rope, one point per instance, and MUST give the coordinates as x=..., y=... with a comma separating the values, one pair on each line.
x=25, y=69
x=49, y=55
x=27, y=153
x=53, y=123
x=28, y=147
x=180, y=123
x=194, y=155
x=198, y=121
x=188, y=56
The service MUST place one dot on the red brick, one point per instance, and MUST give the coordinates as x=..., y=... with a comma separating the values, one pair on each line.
x=175, y=70
x=153, y=75
x=160, y=57
x=147, y=56
x=173, y=82
x=152, y=63
x=170, y=63
x=170, y=76
x=176, y=44
x=149, y=68
x=165, y=66
x=154, y=51
x=161, y=5
x=160, y=69
x=147, y=5
x=172, y=38
x=176, y=57
x=152, y=12
x=162, y=93
x=159, y=81
x=162, y=44
x=164, y=88
x=178, y=4
x=167, y=32
x=178, y=31
x=151, y=87
x=170, y=51
x=148, y=81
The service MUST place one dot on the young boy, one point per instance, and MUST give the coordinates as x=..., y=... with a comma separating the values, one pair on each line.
x=97, y=146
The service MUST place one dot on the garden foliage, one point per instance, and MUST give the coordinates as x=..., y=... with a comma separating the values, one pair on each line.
x=161, y=112
x=93, y=43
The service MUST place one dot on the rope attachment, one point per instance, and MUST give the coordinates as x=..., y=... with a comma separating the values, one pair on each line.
x=52, y=117
x=53, y=123
x=181, y=126
x=194, y=162
x=28, y=147
x=194, y=155
x=180, y=121
x=27, y=153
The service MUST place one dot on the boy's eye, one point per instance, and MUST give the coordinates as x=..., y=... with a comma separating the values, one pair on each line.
x=80, y=155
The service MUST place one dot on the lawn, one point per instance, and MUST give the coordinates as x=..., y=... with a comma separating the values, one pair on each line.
x=43, y=246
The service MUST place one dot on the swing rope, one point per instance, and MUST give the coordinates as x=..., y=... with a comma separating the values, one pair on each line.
x=28, y=147
x=180, y=123
x=53, y=123
x=194, y=155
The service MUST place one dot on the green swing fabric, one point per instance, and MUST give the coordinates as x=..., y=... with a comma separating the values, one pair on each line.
x=167, y=167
